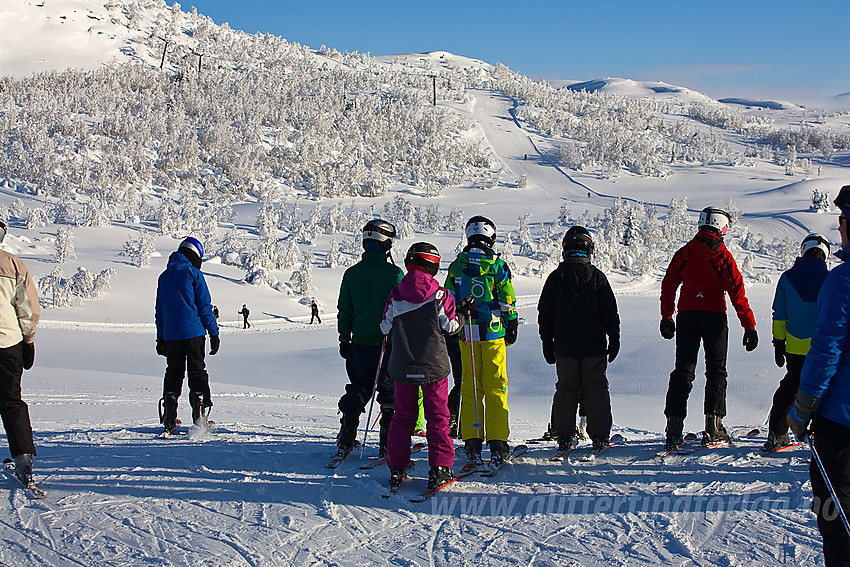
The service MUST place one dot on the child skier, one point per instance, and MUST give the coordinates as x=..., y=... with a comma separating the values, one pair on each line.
x=795, y=314
x=579, y=326
x=184, y=316
x=478, y=271
x=416, y=313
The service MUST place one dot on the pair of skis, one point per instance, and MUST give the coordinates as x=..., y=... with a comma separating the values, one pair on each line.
x=561, y=454
x=487, y=470
x=207, y=426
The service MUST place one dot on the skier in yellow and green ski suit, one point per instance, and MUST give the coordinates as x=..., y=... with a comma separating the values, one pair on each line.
x=478, y=271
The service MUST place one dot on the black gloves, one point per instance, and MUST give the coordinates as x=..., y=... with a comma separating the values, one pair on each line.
x=668, y=328
x=467, y=308
x=779, y=352
x=343, y=348
x=549, y=351
x=751, y=340
x=613, y=347
x=160, y=346
x=28, y=354
x=215, y=342
x=511, y=331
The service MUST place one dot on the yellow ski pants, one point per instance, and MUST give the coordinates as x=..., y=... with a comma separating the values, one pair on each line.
x=491, y=389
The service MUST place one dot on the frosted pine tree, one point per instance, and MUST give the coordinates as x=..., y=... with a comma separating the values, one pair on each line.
x=140, y=250
x=290, y=257
x=301, y=280
x=524, y=239
x=37, y=218
x=51, y=286
x=65, y=245
x=334, y=258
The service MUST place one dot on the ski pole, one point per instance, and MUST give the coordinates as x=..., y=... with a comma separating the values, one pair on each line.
x=374, y=389
x=829, y=485
x=477, y=423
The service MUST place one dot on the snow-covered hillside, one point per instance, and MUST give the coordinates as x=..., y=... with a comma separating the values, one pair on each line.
x=137, y=157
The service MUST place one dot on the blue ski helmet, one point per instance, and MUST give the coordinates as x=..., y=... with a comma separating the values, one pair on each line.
x=194, y=245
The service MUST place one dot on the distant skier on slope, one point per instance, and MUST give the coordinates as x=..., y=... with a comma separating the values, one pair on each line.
x=183, y=317
x=362, y=296
x=478, y=271
x=795, y=314
x=706, y=271
x=314, y=312
x=579, y=327
x=19, y=314
x=417, y=312
x=244, y=312
x=825, y=391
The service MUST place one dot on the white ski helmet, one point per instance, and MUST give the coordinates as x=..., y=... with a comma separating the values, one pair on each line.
x=815, y=241
x=481, y=229
x=714, y=218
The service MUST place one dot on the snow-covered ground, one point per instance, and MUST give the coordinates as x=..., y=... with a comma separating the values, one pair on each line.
x=255, y=491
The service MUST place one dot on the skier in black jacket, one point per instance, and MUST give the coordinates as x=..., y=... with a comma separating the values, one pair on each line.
x=579, y=326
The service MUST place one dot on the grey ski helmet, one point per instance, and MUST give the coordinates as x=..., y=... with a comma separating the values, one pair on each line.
x=381, y=232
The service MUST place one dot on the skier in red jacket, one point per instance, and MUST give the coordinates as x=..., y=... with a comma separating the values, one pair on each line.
x=706, y=271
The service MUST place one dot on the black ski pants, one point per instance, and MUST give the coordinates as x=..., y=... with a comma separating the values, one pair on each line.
x=784, y=396
x=692, y=328
x=361, y=366
x=13, y=410
x=186, y=356
x=832, y=442
x=582, y=379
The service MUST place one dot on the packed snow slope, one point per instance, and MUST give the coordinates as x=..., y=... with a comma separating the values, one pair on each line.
x=255, y=490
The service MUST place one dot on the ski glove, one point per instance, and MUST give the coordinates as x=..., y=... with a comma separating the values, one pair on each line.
x=28, y=354
x=668, y=328
x=779, y=352
x=613, y=347
x=511, y=331
x=160, y=346
x=801, y=414
x=549, y=351
x=467, y=307
x=343, y=349
x=751, y=340
x=215, y=342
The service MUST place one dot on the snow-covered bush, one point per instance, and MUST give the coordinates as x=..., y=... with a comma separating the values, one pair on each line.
x=140, y=249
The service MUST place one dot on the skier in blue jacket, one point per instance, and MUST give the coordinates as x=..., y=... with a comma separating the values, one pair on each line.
x=795, y=313
x=184, y=315
x=825, y=393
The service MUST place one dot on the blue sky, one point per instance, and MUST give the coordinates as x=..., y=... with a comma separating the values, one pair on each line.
x=723, y=48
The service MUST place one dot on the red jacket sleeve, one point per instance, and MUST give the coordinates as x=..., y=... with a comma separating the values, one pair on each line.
x=671, y=282
x=734, y=284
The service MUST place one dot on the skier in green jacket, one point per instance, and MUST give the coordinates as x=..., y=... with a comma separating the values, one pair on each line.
x=362, y=296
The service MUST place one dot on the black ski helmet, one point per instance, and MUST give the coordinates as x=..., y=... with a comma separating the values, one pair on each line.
x=577, y=239
x=714, y=219
x=481, y=230
x=381, y=232
x=425, y=256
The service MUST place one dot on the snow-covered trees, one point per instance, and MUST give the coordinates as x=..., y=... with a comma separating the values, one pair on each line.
x=820, y=201
x=140, y=250
x=59, y=292
x=64, y=245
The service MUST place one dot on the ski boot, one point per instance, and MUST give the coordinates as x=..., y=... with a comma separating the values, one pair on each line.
x=675, y=439
x=499, y=452
x=453, y=427
x=714, y=430
x=386, y=419
x=472, y=448
x=776, y=442
x=548, y=435
x=347, y=433
x=439, y=476
x=168, y=411
x=600, y=443
x=565, y=443
x=23, y=468
x=397, y=476
x=201, y=406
